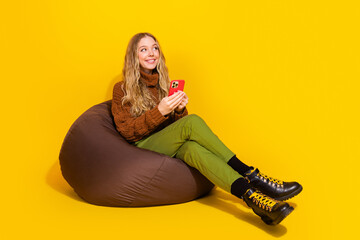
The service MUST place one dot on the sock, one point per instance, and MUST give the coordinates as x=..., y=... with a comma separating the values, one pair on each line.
x=238, y=165
x=239, y=187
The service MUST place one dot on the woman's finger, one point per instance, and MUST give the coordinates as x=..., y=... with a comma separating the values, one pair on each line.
x=174, y=95
x=176, y=98
x=176, y=103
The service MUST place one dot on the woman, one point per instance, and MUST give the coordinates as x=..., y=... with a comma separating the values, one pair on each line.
x=146, y=117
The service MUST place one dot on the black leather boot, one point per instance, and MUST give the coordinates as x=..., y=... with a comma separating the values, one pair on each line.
x=272, y=187
x=270, y=210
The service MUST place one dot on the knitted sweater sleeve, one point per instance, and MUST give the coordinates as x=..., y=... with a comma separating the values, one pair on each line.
x=133, y=128
x=177, y=116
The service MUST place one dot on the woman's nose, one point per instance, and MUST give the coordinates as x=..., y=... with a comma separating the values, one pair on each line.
x=151, y=53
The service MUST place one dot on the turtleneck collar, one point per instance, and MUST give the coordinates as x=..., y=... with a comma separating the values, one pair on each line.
x=151, y=80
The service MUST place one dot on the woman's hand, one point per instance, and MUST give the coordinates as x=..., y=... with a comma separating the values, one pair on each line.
x=169, y=104
x=183, y=103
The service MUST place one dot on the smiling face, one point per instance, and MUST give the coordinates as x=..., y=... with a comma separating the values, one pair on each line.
x=148, y=53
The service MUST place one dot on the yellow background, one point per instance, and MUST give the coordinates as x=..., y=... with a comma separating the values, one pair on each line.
x=277, y=81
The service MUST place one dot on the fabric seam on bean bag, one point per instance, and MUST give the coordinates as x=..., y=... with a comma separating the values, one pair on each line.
x=149, y=181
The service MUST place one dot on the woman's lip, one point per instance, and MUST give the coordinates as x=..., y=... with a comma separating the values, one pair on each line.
x=150, y=60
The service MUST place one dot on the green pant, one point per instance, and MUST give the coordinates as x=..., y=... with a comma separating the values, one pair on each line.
x=192, y=141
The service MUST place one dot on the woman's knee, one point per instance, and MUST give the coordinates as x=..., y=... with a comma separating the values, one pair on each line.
x=194, y=119
x=189, y=147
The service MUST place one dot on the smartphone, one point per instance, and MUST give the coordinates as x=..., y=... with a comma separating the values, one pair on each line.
x=176, y=85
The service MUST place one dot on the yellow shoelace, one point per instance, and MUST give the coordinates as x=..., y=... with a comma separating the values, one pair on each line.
x=263, y=201
x=273, y=181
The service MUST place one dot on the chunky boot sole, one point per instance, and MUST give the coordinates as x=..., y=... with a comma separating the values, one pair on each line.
x=281, y=217
x=290, y=195
x=272, y=212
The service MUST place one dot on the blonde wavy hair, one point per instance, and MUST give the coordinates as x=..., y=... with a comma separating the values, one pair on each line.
x=135, y=91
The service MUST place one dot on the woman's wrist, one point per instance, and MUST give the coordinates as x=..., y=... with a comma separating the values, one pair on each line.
x=180, y=112
x=161, y=110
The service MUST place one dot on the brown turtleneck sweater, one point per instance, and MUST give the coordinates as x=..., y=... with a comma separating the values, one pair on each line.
x=136, y=128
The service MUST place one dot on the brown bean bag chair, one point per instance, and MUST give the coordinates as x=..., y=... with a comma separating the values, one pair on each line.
x=104, y=169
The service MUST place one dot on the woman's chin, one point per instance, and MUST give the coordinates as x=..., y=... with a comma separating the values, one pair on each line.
x=148, y=69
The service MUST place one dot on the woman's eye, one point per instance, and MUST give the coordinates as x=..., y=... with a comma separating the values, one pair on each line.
x=143, y=50
x=156, y=48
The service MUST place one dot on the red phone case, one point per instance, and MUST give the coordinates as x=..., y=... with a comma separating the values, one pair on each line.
x=176, y=85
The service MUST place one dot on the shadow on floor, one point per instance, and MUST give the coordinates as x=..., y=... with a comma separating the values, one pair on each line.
x=57, y=182
x=233, y=205
x=216, y=198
